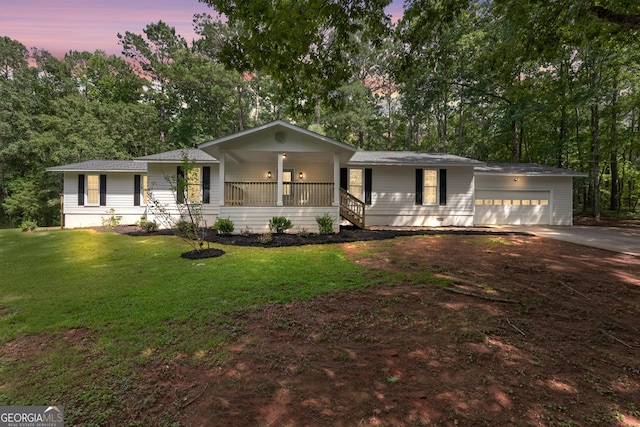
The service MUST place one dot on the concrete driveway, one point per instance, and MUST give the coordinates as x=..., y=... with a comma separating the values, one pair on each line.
x=623, y=240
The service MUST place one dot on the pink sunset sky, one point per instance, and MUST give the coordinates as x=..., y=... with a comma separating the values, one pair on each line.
x=59, y=26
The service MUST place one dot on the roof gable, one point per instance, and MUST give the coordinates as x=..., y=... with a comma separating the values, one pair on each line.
x=277, y=136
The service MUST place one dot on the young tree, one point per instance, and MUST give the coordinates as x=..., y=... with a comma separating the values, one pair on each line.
x=188, y=222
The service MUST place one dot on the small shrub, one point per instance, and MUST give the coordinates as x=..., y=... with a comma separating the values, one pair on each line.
x=279, y=224
x=28, y=225
x=246, y=232
x=304, y=233
x=183, y=228
x=146, y=225
x=265, y=238
x=325, y=224
x=223, y=226
x=111, y=220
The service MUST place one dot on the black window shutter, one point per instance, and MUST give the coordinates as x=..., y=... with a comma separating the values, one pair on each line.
x=344, y=178
x=103, y=190
x=81, y=189
x=443, y=186
x=367, y=186
x=136, y=190
x=419, y=186
x=180, y=185
x=206, y=184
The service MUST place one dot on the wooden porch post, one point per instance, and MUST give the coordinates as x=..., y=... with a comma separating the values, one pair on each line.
x=336, y=179
x=280, y=181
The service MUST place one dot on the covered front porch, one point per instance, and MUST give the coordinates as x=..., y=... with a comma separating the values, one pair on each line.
x=257, y=186
x=279, y=170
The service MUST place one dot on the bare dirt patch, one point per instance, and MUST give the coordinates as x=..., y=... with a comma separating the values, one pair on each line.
x=547, y=334
x=565, y=351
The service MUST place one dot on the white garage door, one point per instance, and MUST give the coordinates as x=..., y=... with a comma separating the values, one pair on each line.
x=512, y=207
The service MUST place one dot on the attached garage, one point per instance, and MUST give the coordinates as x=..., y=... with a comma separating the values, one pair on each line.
x=512, y=207
x=523, y=194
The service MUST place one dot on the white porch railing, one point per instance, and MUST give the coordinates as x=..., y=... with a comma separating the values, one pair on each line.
x=266, y=194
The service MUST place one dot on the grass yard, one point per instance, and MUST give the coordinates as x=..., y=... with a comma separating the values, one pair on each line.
x=129, y=300
x=430, y=330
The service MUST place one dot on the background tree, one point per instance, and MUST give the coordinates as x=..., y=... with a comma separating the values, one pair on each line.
x=309, y=59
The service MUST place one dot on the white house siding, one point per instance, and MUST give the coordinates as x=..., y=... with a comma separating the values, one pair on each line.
x=393, y=198
x=559, y=188
x=120, y=189
x=159, y=177
x=256, y=220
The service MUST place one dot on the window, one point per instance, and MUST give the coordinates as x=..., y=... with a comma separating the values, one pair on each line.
x=139, y=189
x=431, y=186
x=92, y=190
x=145, y=188
x=355, y=183
x=194, y=193
x=479, y=202
x=358, y=182
x=196, y=187
x=430, y=195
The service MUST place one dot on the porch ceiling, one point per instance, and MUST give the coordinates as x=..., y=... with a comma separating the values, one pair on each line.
x=272, y=157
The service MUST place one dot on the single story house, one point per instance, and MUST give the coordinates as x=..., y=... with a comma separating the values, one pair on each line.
x=279, y=169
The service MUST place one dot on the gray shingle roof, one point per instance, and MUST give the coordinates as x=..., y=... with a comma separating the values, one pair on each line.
x=177, y=156
x=524, y=169
x=102, y=165
x=401, y=158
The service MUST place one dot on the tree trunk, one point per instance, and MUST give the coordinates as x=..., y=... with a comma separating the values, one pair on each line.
x=564, y=135
x=595, y=159
x=410, y=135
x=460, y=127
x=240, y=110
x=515, y=142
x=614, y=204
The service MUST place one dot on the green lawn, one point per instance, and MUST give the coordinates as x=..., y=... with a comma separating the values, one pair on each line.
x=140, y=302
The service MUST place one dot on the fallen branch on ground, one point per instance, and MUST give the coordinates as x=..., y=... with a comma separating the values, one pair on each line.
x=195, y=398
x=515, y=327
x=471, y=294
x=569, y=287
x=619, y=340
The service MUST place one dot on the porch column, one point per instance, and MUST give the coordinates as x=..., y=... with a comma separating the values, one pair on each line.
x=221, y=179
x=336, y=179
x=280, y=181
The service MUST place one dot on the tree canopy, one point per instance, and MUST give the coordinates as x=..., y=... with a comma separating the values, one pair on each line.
x=554, y=83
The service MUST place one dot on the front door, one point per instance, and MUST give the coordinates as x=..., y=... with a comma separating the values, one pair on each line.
x=287, y=179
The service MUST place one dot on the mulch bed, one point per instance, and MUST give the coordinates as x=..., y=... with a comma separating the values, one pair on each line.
x=347, y=234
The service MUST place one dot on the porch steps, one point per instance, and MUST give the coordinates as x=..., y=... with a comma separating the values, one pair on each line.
x=352, y=208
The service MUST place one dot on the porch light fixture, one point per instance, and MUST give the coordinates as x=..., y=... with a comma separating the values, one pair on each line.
x=269, y=174
x=284, y=155
x=300, y=175
x=516, y=179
